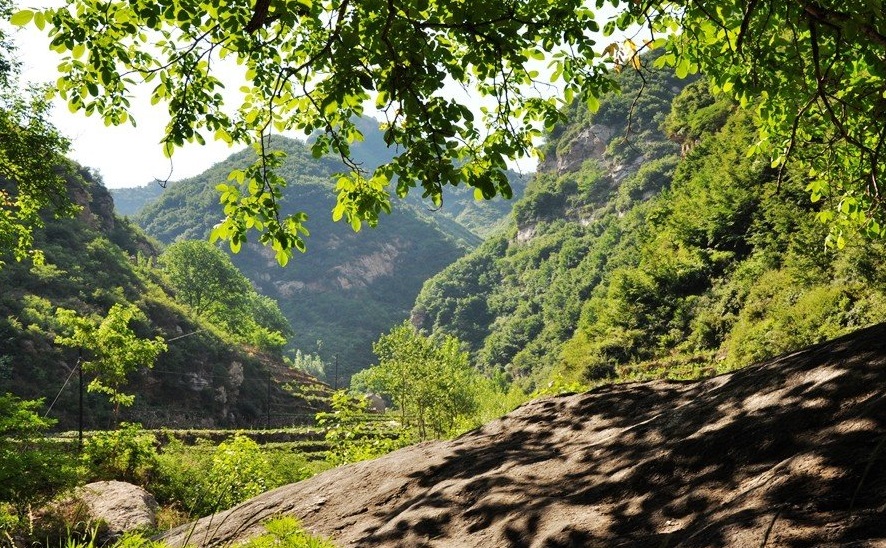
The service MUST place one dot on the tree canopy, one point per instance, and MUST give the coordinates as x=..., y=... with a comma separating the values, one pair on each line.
x=31, y=159
x=207, y=281
x=813, y=70
x=117, y=350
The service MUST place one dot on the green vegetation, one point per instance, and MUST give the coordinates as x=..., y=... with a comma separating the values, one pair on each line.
x=33, y=169
x=286, y=533
x=812, y=70
x=116, y=348
x=33, y=469
x=306, y=75
x=353, y=434
x=206, y=280
x=37, y=506
x=435, y=391
x=349, y=287
x=669, y=253
x=206, y=479
x=669, y=233
x=101, y=270
x=431, y=383
x=129, y=201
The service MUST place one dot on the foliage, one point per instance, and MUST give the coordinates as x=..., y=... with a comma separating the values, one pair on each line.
x=354, y=435
x=203, y=276
x=286, y=532
x=314, y=66
x=207, y=281
x=97, y=261
x=203, y=479
x=812, y=70
x=125, y=454
x=687, y=262
x=116, y=348
x=33, y=169
x=431, y=382
x=129, y=201
x=32, y=469
x=312, y=364
x=350, y=287
x=239, y=471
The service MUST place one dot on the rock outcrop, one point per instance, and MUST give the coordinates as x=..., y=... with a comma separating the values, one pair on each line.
x=122, y=506
x=786, y=453
x=589, y=143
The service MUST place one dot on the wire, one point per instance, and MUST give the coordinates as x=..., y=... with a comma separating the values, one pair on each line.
x=185, y=335
x=71, y=374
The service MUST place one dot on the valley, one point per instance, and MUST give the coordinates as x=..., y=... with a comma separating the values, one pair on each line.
x=377, y=334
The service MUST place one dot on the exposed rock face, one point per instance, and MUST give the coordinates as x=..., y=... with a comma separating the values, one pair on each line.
x=787, y=453
x=123, y=506
x=591, y=142
x=95, y=200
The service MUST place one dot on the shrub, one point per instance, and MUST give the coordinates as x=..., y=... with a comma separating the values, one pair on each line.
x=353, y=435
x=239, y=471
x=32, y=468
x=127, y=454
x=286, y=532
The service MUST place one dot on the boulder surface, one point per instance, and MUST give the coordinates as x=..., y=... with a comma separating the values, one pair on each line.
x=122, y=506
x=787, y=453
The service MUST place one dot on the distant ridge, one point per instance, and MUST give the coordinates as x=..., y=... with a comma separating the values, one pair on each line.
x=349, y=288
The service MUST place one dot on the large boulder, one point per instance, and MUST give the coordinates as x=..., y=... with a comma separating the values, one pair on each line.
x=782, y=454
x=122, y=506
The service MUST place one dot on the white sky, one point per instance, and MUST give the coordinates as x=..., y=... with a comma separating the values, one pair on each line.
x=125, y=156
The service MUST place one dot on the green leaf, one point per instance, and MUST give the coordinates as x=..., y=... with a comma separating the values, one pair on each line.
x=21, y=18
x=682, y=68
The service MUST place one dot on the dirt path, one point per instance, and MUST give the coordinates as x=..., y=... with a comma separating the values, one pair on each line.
x=786, y=453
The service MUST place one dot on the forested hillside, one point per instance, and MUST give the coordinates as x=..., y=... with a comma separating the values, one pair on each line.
x=652, y=244
x=349, y=287
x=129, y=201
x=96, y=263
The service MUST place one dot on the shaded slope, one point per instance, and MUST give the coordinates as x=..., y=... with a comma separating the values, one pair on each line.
x=204, y=379
x=784, y=453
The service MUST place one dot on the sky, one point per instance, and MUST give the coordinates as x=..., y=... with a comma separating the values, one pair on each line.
x=125, y=156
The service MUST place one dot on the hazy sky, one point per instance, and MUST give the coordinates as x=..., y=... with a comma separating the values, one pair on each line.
x=125, y=156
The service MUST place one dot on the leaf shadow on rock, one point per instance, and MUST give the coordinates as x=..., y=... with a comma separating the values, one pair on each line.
x=775, y=452
x=787, y=453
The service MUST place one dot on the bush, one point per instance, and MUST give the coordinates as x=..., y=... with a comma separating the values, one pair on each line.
x=354, y=435
x=33, y=468
x=287, y=533
x=126, y=454
x=239, y=471
x=205, y=480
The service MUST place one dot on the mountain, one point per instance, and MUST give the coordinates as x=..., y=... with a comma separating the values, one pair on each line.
x=651, y=244
x=129, y=201
x=349, y=287
x=785, y=453
x=95, y=261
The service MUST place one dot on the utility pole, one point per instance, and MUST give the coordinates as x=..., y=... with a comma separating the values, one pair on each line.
x=80, y=418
